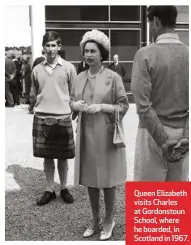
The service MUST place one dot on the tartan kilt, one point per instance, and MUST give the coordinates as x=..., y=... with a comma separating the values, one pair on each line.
x=60, y=147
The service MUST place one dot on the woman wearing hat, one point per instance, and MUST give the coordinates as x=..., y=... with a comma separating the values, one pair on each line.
x=96, y=94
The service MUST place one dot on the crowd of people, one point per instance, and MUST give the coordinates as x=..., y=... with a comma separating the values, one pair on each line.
x=160, y=77
x=17, y=79
x=18, y=70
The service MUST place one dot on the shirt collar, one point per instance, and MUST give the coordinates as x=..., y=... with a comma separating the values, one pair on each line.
x=168, y=38
x=59, y=62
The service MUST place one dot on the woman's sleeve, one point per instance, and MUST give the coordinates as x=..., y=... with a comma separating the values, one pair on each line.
x=119, y=98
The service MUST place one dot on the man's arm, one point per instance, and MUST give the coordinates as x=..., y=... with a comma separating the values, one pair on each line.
x=111, y=66
x=186, y=129
x=182, y=145
x=13, y=75
x=123, y=71
x=141, y=87
x=7, y=74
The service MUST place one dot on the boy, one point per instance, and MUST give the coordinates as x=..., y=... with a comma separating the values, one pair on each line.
x=52, y=127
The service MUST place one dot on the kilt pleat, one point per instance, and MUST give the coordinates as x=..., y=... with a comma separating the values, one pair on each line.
x=60, y=147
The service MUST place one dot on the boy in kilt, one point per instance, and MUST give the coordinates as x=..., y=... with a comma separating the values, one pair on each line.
x=52, y=126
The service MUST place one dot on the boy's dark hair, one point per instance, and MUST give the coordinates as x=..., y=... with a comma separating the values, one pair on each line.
x=166, y=14
x=51, y=36
x=104, y=53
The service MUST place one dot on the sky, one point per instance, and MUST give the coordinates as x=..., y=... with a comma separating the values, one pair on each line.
x=17, y=27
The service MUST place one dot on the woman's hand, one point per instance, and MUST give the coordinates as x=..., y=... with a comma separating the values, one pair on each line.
x=80, y=106
x=94, y=108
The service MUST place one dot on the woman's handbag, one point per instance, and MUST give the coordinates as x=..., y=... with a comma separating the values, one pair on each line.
x=118, y=138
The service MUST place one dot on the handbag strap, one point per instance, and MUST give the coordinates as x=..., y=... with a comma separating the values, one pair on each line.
x=117, y=115
x=110, y=76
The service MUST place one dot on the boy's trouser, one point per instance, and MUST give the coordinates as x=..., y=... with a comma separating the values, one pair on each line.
x=150, y=165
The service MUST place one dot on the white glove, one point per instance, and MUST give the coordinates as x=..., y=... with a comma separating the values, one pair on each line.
x=94, y=108
x=108, y=108
x=80, y=106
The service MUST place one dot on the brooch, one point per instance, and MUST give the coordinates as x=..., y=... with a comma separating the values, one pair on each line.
x=108, y=81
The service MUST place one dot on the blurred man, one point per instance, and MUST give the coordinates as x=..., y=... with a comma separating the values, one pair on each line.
x=10, y=82
x=17, y=92
x=26, y=78
x=38, y=60
x=160, y=80
x=117, y=67
x=83, y=66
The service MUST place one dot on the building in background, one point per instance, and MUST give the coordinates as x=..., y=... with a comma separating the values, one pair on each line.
x=126, y=26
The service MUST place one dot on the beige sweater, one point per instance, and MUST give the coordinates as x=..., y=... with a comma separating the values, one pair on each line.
x=52, y=90
x=160, y=80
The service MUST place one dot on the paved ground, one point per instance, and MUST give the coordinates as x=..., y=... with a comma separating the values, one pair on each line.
x=24, y=180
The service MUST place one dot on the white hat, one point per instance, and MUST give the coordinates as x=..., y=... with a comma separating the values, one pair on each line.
x=97, y=36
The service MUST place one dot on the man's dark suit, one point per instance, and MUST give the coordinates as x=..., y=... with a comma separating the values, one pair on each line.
x=82, y=67
x=118, y=68
x=38, y=60
x=10, y=81
x=17, y=92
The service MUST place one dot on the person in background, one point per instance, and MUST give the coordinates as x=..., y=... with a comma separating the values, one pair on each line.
x=62, y=53
x=32, y=99
x=83, y=66
x=10, y=82
x=26, y=78
x=52, y=126
x=160, y=85
x=38, y=60
x=96, y=95
x=18, y=65
x=117, y=67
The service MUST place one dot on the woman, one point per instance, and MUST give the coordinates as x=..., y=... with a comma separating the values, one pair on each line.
x=96, y=94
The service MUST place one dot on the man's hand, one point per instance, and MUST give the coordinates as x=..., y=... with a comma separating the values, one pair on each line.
x=94, y=108
x=179, y=150
x=11, y=76
x=167, y=147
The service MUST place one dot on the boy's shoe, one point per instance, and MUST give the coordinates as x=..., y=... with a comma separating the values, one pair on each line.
x=46, y=198
x=66, y=196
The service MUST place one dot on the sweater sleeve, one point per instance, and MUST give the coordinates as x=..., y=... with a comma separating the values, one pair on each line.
x=34, y=84
x=72, y=76
x=72, y=94
x=141, y=87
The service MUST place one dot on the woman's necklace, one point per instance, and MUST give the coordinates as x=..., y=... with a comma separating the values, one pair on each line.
x=94, y=75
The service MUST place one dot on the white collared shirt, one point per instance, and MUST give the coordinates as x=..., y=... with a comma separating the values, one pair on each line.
x=50, y=67
x=168, y=38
